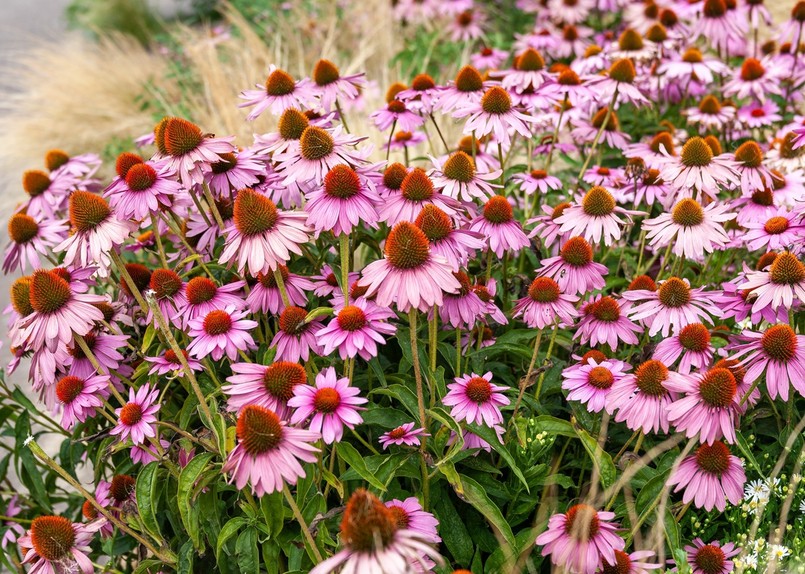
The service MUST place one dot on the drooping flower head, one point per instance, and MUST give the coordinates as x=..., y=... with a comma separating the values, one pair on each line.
x=641, y=399
x=29, y=239
x=270, y=387
x=710, y=477
x=709, y=408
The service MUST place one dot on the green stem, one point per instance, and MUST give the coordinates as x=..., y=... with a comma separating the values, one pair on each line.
x=281, y=286
x=343, y=241
x=391, y=135
x=121, y=267
x=458, y=352
x=598, y=136
x=317, y=557
x=433, y=337
x=547, y=358
x=211, y=202
x=341, y=115
x=420, y=399
x=158, y=238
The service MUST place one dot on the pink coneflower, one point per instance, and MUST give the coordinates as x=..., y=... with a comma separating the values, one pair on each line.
x=457, y=177
x=421, y=96
x=58, y=312
x=586, y=130
x=574, y=269
x=537, y=180
x=488, y=58
x=409, y=515
x=170, y=293
x=699, y=168
x=331, y=404
x=619, y=79
x=188, y=151
x=695, y=230
x=529, y=72
x=476, y=400
x=269, y=452
x=136, y=419
x=711, y=558
x=779, y=354
x=781, y=230
x=374, y=542
x=13, y=529
x=141, y=187
x=755, y=78
x=780, y=285
x=545, y=304
x=596, y=217
x=203, y=296
x=630, y=563
x=318, y=152
x=486, y=291
x=467, y=26
x=673, y=305
x=405, y=140
x=79, y=397
x=328, y=84
x=326, y=284
x=710, y=114
x=169, y=363
x=55, y=544
x=754, y=175
x=710, y=477
x=269, y=387
x=296, y=337
x=546, y=228
x=96, y=230
x=655, y=153
x=221, y=331
x=605, y=320
x=641, y=399
x=757, y=206
x=402, y=435
x=397, y=114
x=261, y=237
x=29, y=238
x=416, y=192
x=357, y=329
x=468, y=86
x=409, y=275
x=235, y=171
x=692, y=343
x=736, y=303
x=569, y=85
x=759, y=115
x=84, y=165
x=265, y=296
x=455, y=245
x=590, y=383
x=498, y=225
x=709, y=408
x=581, y=539
x=346, y=199
x=612, y=178
x=279, y=93
x=494, y=114
x=651, y=188
x=693, y=63
x=462, y=309
x=105, y=348
x=46, y=193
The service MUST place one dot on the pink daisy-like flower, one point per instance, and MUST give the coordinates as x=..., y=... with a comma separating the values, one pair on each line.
x=581, y=539
x=96, y=230
x=641, y=399
x=318, y=152
x=261, y=237
x=415, y=192
x=710, y=114
x=328, y=84
x=457, y=177
x=169, y=363
x=736, y=303
x=630, y=563
x=693, y=63
x=141, y=187
x=546, y=228
x=268, y=453
x=467, y=26
x=754, y=175
x=409, y=515
x=374, y=541
x=405, y=140
x=137, y=418
x=409, y=275
x=296, y=337
x=537, y=180
x=170, y=293
x=279, y=93
x=692, y=343
x=476, y=400
x=468, y=85
x=779, y=354
x=396, y=113
x=651, y=151
x=203, y=296
x=270, y=387
x=590, y=383
x=709, y=408
x=79, y=397
x=13, y=529
x=695, y=230
x=331, y=404
x=781, y=230
x=494, y=114
x=345, y=200
x=488, y=58
x=357, y=329
x=545, y=304
x=759, y=115
x=457, y=246
x=755, y=78
x=673, y=305
x=105, y=348
x=421, y=96
x=188, y=152
x=574, y=269
x=605, y=320
x=326, y=283
x=84, y=165
x=46, y=192
x=462, y=309
x=55, y=545
x=29, y=238
x=585, y=131
x=711, y=558
x=596, y=217
x=402, y=435
x=265, y=296
x=710, y=477
x=619, y=80
x=780, y=285
x=699, y=168
x=219, y=332
x=529, y=72
x=235, y=171
x=498, y=225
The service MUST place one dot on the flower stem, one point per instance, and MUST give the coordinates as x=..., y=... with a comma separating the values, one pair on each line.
x=433, y=337
x=281, y=286
x=343, y=244
x=391, y=135
x=121, y=267
x=158, y=238
x=458, y=352
x=598, y=136
x=420, y=399
x=317, y=557
x=214, y=208
x=439, y=131
x=97, y=366
x=547, y=358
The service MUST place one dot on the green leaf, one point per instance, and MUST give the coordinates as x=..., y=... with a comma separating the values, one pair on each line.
x=227, y=532
x=355, y=460
x=453, y=530
x=318, y=312
x=402, y=394
x=476, y=495
x=555, y=426
x=746, y=451
x=672, y=535
x=189, y=512
x=148, y=338
x=652, y=489
x=273, y=512
x=147, y=566
x=490, y=436
x=30, y=474
x=602, y=460
x=146, y=495
x=247, y=551
x=184, y=564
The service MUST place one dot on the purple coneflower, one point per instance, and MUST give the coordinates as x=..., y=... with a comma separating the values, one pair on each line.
x=710, y=114
x=136, y=419
x=105, y=348
x=673, y=305
x=396, y=113
x=699, y=168
x=54, y=545
x=203, y=296
x=759, y=115
x=546, y=229
x=754, y=175
x=457, y=246
x=605, y=320
x=79, y=397
x=780, y=285
x=269, y=387
x=402, y=435
x=781, y=230
x=494, y=114
x=529, y=72
x=641, y=400
x=235, y=171
x=476, y=400
x=692, y=343
x=537, y=180
x=756, y=78
x=296, y=337
x=410, y=516
x=711, y=558
x=416, y=191
x=595, y=218
x=544, y=304
x=279, y=93
x=29, y=238
x=265, y=296
x=170, y=293
x=219, y=332
x=328, y=84
x=357, y=329
x=630, y=563
x=318, y=152
x=590, y=383
x=695, y=230
x=709, y=408
x=457, y=177
x=692, y=63
x=464, y=308
x=141, y=187
x=498, y=225
x=574, y=269
x=469, y=86
x=169, y=363
x=710, y=477
x=346, y=200
x=779, y=354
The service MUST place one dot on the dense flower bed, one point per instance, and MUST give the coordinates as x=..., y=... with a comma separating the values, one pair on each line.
x=568, y=338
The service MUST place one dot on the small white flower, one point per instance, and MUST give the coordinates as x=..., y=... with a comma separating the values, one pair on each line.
x=757, y=491
x=750, y=560
x=778, y=551
x=802, y=506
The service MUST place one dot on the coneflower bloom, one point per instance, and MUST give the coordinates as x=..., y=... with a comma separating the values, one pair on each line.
x=269, y=387
x=736, y=303
x=757, y=206
x=590, y=383
x=84, y=165
x=693, y=63
x=416, y=192
x=328, y=84
x=596, y=217
x=694, y=230
x=710, y=114
x=488, y=58
x=169, y=363
x=46, y=193
x=545, y=304
x=754, y=175
x=79, y=397
x=494, y=114
x=710, y=477
x=57, y=312
x=759, y=115
x=574, y=269
x=464, y=308
x=655, y=153
x=269, y=453
x=409, y=515
x=457, y=177
x=497, y=223
x=698, y=168
x=537, y=180
x=292, y=123
x=673, y=305
x=203, y=296
x=476, y=400
x=170, y=293
x=569, y=85
x=357, y=329
x=421, y=96
x=781, y=230
x=31, y=237
x=261, y=237
x=467, y=26
x=630, y=563
x=96, y=230
x=325, y=283
x=374, y=542
x=54, y=545
x=331, y=404
x=279, y=93
x=188, y=152
x=296, y=337
x=13, y=530
x=235, y=171
x=137, y=418
x=265, y=296
x=709, y=408
x=105, y=348
x=586, y=130
x=778, y=353
x=754, y=78
x=581, y=539
x=141, y=187
x=397, y=114
x=780, y=285
x=219, y=332
x=529, y=72
x=692, y=343
x=404, y=140
x=346, y=199
x=546, y=228
x=641, y=399
x=605, y=320
x=469, y=86
x=619, y=80
x=402, y=435
x=409, y=275
x=455, y=245
x=486, y=291
x=711, y=558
